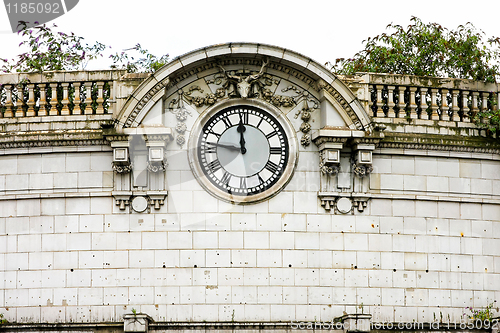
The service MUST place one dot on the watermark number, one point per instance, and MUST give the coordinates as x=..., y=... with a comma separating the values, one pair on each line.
x=32, y=8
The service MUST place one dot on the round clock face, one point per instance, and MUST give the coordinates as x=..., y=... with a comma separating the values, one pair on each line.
x=243, y=153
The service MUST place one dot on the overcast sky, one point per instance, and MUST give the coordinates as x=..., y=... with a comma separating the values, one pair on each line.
x=320, y=29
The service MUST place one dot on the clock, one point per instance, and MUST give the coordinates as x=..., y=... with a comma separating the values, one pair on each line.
x=243, y=152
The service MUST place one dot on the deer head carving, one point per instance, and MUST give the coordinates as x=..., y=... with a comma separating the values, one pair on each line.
x=242, y=83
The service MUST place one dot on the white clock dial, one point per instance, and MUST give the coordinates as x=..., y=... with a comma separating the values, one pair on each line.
x=243, y=150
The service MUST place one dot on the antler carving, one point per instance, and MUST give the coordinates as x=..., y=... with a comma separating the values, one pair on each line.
x=259, y=74
x=243, y=84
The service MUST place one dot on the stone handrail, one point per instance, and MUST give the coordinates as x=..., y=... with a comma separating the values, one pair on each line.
x=386, y=96
x=401, y=96
x=64, y=93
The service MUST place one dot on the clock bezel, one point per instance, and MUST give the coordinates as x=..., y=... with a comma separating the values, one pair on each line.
x=197, y=168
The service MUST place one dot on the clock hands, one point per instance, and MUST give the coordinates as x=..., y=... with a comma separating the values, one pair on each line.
x=225, y=145
x=231, y=146
x=241, y=128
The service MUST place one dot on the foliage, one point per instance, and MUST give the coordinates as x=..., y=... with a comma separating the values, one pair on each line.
x=427, y=49
x=482, y=314
x=2, y=319
x=50, y=50
x=146, y=62
x=489, y=119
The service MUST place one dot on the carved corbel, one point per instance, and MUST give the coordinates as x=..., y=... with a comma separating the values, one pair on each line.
x=156, y=157
x=122, y=199
x=157, y=198
x=362, y=159
x=329, y=153
x=342, y=203
x=360, y=203
x=121, y=160
x=329, y=158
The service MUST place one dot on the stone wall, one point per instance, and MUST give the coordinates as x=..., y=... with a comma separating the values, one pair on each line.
x=429, y=245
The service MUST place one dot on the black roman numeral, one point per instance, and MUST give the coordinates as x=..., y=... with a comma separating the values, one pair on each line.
x=211, y=149
x=275, y=150
x=271, y=167
x=244, y=117
x=227, y=122
x=214, y=166
x=243, y=183
x=216, y=134
x=270, y=135
x=226, y=178
x=260, y=121
x=261, y=181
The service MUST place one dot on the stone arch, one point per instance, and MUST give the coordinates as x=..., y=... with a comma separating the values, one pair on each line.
x=331, y=90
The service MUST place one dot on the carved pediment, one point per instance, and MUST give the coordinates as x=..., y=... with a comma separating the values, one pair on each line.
x=199, y=80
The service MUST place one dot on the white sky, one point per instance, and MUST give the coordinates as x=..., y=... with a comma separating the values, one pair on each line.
x=320, y=29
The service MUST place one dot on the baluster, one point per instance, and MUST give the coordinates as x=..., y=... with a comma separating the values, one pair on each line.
x=31, y=100
x=484, y=105
x=423, y=104
x=444, y=105
x=465, y=107
x=43, y=110
x=413, y=105
x=53, y=100
x=474, y=110
x=401, y=102
x=380, y=102
x=65, y=99
x=20, y=102
x=454, y=109
x=111, y=97
x=434, y=107
x=9, y=106
x=100, y=99
x=390, y=102
x=88, y=98
x=77, y=98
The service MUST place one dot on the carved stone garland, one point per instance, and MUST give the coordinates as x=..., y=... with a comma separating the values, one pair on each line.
x=361, y=170
x=181, y=113
x=122, y=169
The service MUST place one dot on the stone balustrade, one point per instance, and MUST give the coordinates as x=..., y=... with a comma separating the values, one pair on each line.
x=412, y=97
x=62, y=93
x=397, y=98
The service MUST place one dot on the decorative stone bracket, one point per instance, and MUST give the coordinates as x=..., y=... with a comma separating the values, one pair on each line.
x=362, y=159
x=155, y=139
x=139, y=182
x=329, y=156
x=139, y=202
x=344, y=203
x=345, y=162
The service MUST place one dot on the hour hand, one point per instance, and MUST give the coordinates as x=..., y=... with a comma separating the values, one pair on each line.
x=224, y=145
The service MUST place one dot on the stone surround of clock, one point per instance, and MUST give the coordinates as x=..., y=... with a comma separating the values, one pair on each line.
x=245, y=171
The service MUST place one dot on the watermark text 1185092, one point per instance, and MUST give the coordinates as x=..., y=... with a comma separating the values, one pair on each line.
x=29, y=13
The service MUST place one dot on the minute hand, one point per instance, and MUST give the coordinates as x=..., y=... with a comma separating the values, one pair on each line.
x=224, y=145
x=241, y=128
